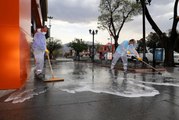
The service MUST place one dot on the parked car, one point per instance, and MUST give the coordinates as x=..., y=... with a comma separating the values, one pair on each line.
x=149, y=54
x=161, y=55
x=176, y=57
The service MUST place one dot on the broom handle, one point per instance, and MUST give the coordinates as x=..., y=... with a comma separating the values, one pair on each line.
x=50, y=65
x=149, y=65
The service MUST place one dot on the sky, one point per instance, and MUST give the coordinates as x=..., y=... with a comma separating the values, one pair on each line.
x=73, y=19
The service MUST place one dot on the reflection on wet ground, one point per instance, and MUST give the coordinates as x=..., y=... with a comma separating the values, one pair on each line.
x=88, y=77
x=79, y=77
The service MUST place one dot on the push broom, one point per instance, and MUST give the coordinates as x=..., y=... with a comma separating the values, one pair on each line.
x=52, y=79
x=151, y=66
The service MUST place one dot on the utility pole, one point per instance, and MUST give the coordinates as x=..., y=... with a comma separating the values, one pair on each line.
x=93, y=32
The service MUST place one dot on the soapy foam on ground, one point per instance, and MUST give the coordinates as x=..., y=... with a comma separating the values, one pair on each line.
x=20, y=96
x=166, y=74
x=128, y=88
x=110, y=83
x=131, y=86
x=26, y=92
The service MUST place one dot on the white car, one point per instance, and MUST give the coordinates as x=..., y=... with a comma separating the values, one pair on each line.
x=149, y=55
x=176, y=57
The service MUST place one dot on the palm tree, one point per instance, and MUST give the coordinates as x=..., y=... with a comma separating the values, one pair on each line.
x=53, y=46
x=78, y=45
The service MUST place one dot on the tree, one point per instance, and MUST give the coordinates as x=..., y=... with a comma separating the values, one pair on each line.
x=78, y=45
x=53, y=46
x=114, y=13
x=153, y=40
x=140, y=46
x=171, y=42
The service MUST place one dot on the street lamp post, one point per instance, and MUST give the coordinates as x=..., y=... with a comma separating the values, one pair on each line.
x=110, y=39
x=143, y=2
x=93, y=32
x=50, y=18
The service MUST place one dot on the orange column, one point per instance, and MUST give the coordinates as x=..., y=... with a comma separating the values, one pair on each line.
x=14, y=48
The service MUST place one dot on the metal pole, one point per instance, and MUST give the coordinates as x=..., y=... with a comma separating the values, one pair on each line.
x=111, y=45
x=143, y=16
x=93, y=47
x=93, y=32
x=50, y=18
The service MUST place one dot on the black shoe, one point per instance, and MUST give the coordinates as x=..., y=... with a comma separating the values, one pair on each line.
x=39, y=76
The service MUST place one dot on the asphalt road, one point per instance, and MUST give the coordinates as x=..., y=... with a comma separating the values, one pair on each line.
x=93, y=92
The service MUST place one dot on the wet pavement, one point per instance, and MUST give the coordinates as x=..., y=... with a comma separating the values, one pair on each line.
x=93, y=92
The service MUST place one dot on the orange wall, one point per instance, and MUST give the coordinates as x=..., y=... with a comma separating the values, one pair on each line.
x=9, y=12
x=14, y=47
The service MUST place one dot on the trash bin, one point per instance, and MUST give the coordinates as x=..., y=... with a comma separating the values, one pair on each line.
x=159, y=54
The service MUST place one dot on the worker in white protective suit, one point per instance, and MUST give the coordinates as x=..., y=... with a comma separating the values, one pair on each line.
x=39, y=49
x=121, y=52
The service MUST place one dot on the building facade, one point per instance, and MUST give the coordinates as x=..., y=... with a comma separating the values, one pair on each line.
x=18, y=17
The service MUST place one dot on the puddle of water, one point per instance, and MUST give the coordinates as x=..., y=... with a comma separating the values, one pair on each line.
x=101, y=80
x=81, y=77
x=86, y=77
x=166, y=82
x=166, y=79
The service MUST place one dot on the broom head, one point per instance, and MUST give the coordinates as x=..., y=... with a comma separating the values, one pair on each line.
x=53, y=79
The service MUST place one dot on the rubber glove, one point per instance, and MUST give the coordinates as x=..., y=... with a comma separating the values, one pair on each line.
x=128, y=52
x=139, y=58
x=47, y=51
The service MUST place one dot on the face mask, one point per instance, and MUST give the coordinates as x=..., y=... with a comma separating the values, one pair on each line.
x=44, y=33
x=133, y=45
x=38, y=30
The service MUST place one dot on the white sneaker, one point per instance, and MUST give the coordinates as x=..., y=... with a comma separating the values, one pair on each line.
x=125, y=71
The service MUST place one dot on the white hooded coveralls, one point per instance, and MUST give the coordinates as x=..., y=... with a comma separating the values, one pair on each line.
x=39, y=47
x=121, y=52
